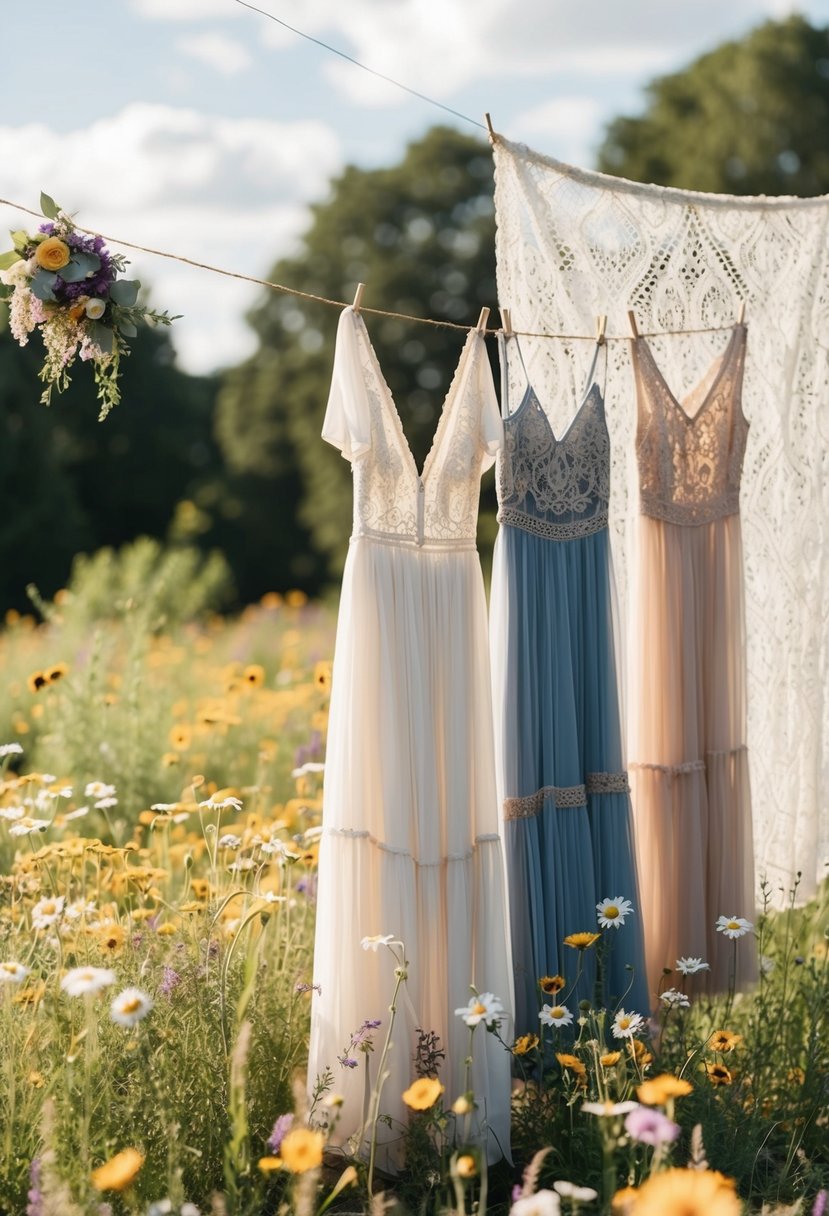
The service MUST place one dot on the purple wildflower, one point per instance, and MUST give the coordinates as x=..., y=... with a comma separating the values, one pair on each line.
x=820, y=1203
x=48, y=226
x=170, y=980
x=651, y=1126
x=280, y=1130
x=35, y=1205
x=348, y=1061
x=301, y=988
x=517, y=1192
x=307, y=886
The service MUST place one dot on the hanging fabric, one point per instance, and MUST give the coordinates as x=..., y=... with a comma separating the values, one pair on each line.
x=571, y=244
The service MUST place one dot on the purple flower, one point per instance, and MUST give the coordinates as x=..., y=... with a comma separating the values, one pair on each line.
x=280, y=1130
x=517, y=1192
x=651, y=1126
x=307, y=886
x=170, y=980
x=347, y=1061
x=47, y=227
x=301, y=988
x=820, y=1203
x=35, y=1205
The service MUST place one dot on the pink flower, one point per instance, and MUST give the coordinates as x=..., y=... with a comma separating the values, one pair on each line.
x=650, y=1126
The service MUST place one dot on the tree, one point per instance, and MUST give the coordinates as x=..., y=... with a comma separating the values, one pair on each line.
x=421, y=236
x=748, y=118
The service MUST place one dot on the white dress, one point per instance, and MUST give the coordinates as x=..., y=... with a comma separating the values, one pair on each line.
x=410, y=845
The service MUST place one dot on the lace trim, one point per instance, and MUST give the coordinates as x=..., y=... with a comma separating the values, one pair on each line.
x=411, y=542
x=549, y=530
x=607, y=783
x=690, y=766
x=566, y=795
x=693, y=513
x=364, y=834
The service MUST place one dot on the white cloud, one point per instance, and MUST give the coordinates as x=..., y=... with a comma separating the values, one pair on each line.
x=568, y=124
x=185, y=10
x=229, y=192
x=217, y=51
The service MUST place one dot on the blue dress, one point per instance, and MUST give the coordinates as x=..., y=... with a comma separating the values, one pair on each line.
x=565, y=799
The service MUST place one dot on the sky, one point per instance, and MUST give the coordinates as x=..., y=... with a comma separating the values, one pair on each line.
x=204, y=129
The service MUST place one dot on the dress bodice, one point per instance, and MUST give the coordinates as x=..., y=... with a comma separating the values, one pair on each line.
x=392, y=501
x=691, y=459
x=554, y=487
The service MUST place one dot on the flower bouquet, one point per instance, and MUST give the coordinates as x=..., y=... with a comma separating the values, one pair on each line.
x=66, y=284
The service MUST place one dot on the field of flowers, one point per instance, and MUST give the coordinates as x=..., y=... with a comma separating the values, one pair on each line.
x=160, y=796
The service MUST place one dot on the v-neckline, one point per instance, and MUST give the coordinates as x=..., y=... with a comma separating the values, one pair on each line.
x=531, y=395
x=421, y=474
x=722, y=359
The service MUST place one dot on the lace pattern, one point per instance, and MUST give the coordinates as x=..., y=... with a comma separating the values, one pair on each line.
x=690, y=766
x=573, y=243
x=548, y=528
x=555, y=488
x=565, y=795
x=690, y=461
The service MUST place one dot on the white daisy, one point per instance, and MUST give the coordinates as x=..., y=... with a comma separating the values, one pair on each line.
x=270, y=898
x=27, y=826
x=11, y=812
x=626, y=1025
x=229, y=841
x=77, y=814
x=97, y=789
x=613, y=912
x=609, y=1109
x=212, y=805
x=379, y=939
x=555, y=1015
x=10, y=749
x=690, y=966
x=766, y=964
x=483, y=1007
x=81, y=981
x=13, y=973
x=46, y=911
x=311, y=767
x=104, y=804
x=542, y=1203
x=241, y=863
x=733, y=926
x=79, y=908
x=577, y=1194
x=675, y=999
x=130, y=1007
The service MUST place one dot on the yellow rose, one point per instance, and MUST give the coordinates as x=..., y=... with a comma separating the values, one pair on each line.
x=52, y=254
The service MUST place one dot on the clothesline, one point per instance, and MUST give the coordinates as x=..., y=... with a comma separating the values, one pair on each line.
x=377, y=312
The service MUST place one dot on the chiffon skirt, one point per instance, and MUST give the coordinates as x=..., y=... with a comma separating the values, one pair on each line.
x=690, y=773
x=568, y=841
x=410, y=844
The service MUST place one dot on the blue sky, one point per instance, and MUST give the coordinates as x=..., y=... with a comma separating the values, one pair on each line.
x=200, y=127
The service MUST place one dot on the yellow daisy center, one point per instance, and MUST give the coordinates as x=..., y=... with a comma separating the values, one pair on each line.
x=479, y=1008
x=624, y=1023
x=733, y=924
x=611, y=912
x=131, y=1006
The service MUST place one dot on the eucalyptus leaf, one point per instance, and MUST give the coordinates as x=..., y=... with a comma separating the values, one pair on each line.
x=127, y=329
x=43, y=284
x=124, y=292
x=9, y=259
x=48, y=206
x=102, y=337
x=81, y=265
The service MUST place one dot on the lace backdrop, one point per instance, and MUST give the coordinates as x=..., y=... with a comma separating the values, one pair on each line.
x=572, y=244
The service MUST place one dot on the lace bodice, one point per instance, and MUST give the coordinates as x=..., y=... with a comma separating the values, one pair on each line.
x=392, y=501
x=690, y=455
x=555, y=487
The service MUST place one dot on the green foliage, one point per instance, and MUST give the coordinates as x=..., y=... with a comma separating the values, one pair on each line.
x=421, y=236
x=747, y=118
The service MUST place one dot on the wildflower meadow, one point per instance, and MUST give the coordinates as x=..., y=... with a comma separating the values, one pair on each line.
x=161, y=775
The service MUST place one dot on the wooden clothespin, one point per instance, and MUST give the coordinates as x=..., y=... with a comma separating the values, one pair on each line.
x=490, y=129
x=601, y=326
x=741, y=312
x=482, y=320
x=506, y=323
x=633, y=327
x=358, y=296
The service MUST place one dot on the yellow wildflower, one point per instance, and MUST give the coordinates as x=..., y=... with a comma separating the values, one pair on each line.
x=269, y=1164
x=691, y=1192
x=423, y=1093
x=724, y=1040
x=581, y=941
x=527, y=1043
x=659, y=1090
x=302, y=1150
x=254, y=675
x=117, y=1173
x=551, y=984
x=36, y=681
x=610, y=1058
x=466, y=1166
x=718, y=1074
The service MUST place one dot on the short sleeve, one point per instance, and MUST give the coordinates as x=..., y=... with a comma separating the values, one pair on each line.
x=347, y=423
x=492, y=427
